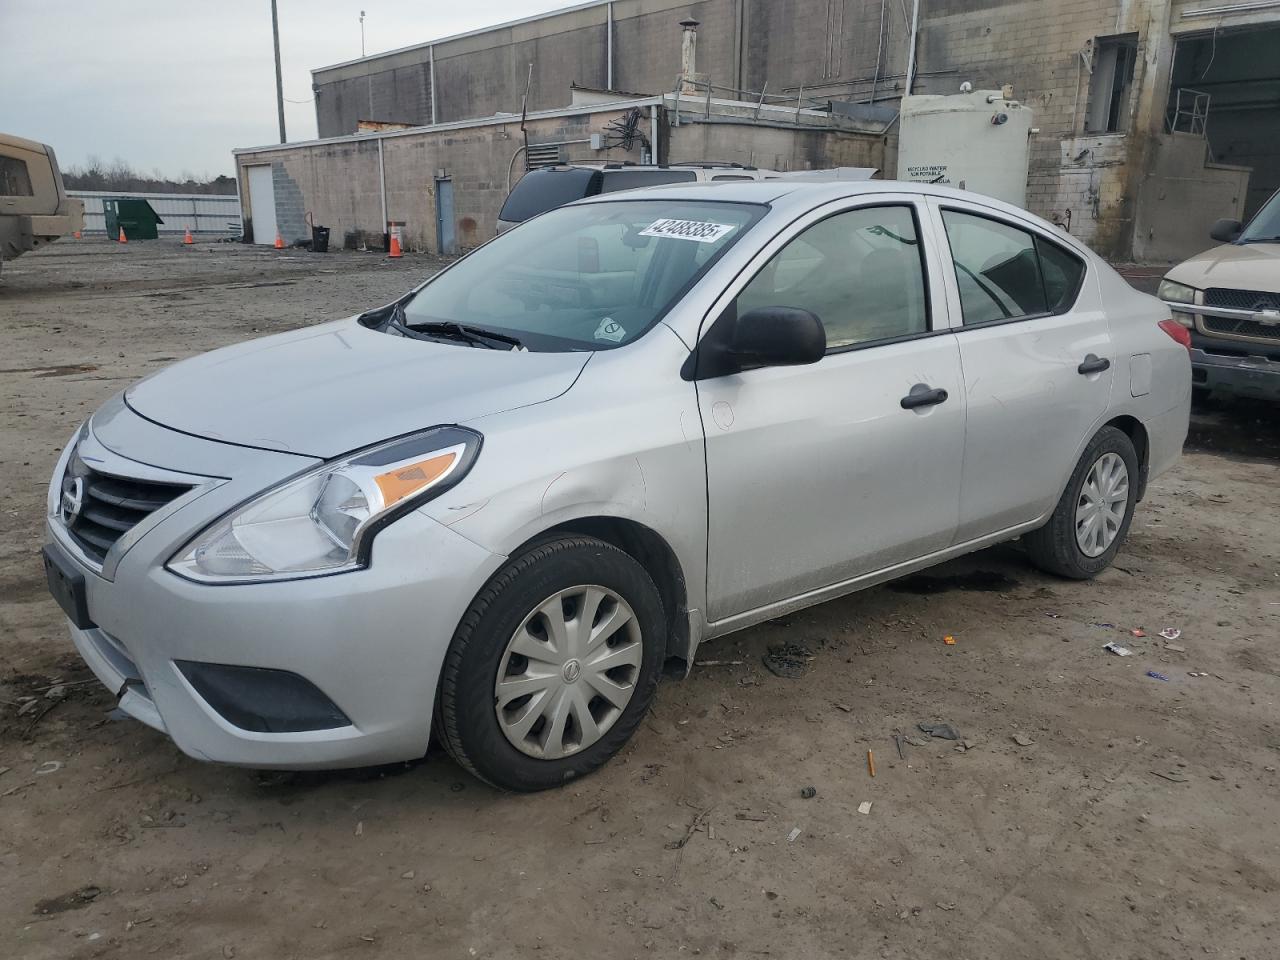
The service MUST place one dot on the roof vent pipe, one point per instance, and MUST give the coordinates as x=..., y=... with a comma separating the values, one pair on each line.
x=691, y=79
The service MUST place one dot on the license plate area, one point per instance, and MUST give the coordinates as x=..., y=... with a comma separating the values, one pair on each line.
x=67, y=585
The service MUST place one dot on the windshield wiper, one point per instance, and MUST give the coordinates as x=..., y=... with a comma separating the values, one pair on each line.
x=475, y=336
x=1261, y=240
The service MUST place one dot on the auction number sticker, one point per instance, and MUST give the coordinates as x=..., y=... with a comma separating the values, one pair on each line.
x=698, y=231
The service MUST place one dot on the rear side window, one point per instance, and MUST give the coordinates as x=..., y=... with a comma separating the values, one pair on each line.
x=14, y=179
x=1063, y=274
x=542, y=190
x=615, y=180
x=1007, y=273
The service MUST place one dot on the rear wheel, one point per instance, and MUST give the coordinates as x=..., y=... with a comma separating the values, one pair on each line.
x=553, y=666
x=1092, y=518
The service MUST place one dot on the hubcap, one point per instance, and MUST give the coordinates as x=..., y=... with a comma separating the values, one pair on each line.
x=568, y=672
x=1104, y=499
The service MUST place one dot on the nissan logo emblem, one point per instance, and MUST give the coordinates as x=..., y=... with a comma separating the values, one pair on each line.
x=72, y=501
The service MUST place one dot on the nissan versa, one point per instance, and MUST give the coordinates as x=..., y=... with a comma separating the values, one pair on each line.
x=492, y=509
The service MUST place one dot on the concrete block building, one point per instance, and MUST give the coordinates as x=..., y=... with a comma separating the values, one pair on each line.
x=1152, y=117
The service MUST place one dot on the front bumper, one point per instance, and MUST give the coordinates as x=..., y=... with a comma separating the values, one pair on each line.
x=371, y=640
x=1248, y=376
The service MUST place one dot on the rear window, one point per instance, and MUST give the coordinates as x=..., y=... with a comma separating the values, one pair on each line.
x=542, y=190
x=14, y=179
x=615, y=180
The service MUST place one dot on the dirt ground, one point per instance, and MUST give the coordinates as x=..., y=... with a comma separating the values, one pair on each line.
x=1139, y=821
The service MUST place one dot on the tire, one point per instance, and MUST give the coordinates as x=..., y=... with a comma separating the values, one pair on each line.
x=1055, y=547
x=468, y=702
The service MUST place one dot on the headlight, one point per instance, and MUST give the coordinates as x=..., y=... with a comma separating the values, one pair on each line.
x=1172, y=292
x=323, y=521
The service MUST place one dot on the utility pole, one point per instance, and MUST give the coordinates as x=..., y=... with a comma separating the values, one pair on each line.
x=275, y=35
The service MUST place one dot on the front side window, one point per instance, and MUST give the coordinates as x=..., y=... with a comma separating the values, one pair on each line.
x=859, y=272
x=15, y=181
x=1007, y=273
x=586, y=277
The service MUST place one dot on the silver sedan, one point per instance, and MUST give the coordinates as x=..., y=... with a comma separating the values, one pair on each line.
x=491, y=509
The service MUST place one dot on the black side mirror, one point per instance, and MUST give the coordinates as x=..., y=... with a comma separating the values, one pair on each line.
x=766, y=337
x=1227, y=231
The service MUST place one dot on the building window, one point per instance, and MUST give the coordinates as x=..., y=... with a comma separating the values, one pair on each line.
x=1110, y=83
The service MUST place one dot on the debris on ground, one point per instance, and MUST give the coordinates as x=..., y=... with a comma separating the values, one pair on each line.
x=1138, y=632
x=1171, y=633
x=788, y=660
x=808, y=793
x=949, y=640
x=1175, y=647
x=791, y=837
x=871, y=763
x=747, y=815
x=1022, y=740
x=1118, y=650
x=718, y=663
x=943, y=731
x=1157, y=676
x=49, y=766
x=897, y=742
x=865, y=807
x=1173, y=776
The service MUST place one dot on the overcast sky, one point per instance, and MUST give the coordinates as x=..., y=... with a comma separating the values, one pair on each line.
x=174, y=85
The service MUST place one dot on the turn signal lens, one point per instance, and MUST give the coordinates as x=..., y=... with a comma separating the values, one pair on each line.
x=1177, y=332
x=407, y=480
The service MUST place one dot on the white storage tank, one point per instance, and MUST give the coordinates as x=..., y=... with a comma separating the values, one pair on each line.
x=975, y=140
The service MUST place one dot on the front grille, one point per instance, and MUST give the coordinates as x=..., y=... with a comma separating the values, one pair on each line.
x=109, y=506
x=1241, y=299
x=1236, y=327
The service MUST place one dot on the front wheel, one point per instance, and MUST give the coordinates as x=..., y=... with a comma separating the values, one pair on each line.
x=553, y=666
x=1092, y=519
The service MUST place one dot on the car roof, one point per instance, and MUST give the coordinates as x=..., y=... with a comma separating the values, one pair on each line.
x=798, y=196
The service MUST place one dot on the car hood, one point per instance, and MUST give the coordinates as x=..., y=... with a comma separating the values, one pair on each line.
x=1247, y=266
x=325, y=390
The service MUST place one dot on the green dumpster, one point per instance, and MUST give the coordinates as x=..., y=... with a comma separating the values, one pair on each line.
x=133, y=215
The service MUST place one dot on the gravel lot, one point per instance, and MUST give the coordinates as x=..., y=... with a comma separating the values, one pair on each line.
x=1138, y=820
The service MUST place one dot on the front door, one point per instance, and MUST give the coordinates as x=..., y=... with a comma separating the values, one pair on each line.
x=262, y=203
x=446, y=237
x=818, y=474
x=1036, y=349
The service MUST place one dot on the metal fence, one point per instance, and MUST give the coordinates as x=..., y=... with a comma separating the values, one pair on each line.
x=207, y=215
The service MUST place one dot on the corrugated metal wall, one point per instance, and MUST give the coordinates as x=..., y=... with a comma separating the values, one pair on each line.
x=207, y=215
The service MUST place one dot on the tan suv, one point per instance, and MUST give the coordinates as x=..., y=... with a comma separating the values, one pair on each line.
x=34, y=206
x=1229, y=297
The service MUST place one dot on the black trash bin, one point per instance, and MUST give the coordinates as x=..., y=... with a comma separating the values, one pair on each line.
x=320, y=239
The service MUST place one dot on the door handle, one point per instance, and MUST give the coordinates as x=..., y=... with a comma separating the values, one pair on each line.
x=1093, y=364
x=923, y=395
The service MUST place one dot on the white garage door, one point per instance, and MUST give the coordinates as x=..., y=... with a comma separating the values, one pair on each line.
x=262, y=204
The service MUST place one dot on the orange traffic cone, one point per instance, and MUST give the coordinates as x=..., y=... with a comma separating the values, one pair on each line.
x=279, y=241
x=394, y=252
x=123, y=238
x=186, y=239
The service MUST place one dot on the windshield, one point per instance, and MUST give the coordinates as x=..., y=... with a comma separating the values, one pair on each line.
x=588, y=277
x=1265, y=226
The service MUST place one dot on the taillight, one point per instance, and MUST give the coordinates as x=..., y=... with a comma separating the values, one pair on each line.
x=1177, y=331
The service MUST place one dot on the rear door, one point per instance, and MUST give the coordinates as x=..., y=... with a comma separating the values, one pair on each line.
x=1036, y=351
x=818, y=474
